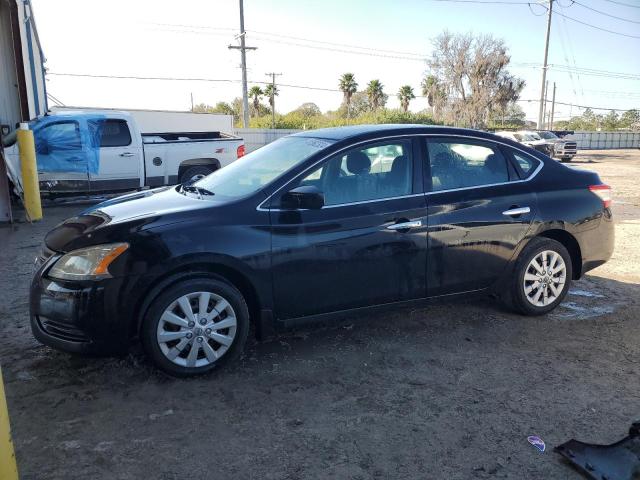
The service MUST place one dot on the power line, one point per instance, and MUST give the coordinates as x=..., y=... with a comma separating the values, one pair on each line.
x=623, y=4
x=488, y=2
x=585, y=106
x=603, y=13
x=184, y=79
x=594, y=72
x=343, y=45
x=595, y=26
x=340, y=50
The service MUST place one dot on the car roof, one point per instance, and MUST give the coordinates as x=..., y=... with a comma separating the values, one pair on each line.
x=366, y=131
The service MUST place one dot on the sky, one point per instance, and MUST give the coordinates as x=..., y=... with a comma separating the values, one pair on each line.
x=311, y=43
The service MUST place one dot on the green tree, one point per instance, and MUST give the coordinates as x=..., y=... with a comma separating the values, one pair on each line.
x=630, y=119
x=375, y=94
x=348, y=86
x=405, y=95
x=256, y=93
x=610, y=121
x=307, y=110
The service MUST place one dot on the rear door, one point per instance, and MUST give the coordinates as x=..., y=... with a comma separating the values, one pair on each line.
x=479, y=210
x=366, y=246
x=120, y=157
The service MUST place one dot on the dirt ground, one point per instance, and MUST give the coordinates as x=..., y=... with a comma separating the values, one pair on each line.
x=449, y=391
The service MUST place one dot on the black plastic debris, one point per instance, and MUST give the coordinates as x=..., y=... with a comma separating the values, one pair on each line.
x=618, y=461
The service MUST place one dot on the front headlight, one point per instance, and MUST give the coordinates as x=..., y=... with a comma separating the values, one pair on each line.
x=91, y=263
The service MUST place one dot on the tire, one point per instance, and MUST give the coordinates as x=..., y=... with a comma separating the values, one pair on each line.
x=522, y=294
x=166, y=318
x=191, y=174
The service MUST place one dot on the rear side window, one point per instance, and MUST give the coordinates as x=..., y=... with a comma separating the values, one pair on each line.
x=461, y=164
x=115, y=133
x=526, y=164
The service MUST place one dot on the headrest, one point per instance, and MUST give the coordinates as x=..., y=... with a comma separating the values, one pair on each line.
x=358, y=163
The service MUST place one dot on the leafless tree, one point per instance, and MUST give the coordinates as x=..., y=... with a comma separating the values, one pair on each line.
x=471, y=71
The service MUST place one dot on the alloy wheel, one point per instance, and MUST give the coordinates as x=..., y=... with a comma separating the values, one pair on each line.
x=545, y=278
x=196, y=329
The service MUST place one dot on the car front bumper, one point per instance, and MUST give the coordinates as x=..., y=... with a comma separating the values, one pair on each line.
x=81, y=317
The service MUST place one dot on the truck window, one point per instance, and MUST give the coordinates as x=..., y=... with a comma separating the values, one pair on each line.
x=58, y=136
x=115, y=133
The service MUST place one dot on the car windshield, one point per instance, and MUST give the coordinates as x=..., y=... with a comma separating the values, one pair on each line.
x=525, y=137
x=260, y=167
x=547, y=135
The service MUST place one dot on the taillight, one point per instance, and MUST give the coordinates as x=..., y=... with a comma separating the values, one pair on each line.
x=240, y=151
x=604, y=192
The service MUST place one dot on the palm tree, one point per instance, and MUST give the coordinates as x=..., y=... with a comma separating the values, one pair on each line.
x=433, y=90
x=256, y=93
x=405, y=95
x=348, y=86
x=271, y=91
x=375, y=93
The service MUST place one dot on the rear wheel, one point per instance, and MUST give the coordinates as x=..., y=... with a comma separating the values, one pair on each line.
x=195, y=326
x=195, y=173
x=541, y=277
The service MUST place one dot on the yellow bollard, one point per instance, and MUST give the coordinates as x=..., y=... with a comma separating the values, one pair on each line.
x=29, y=168
x=8, y=467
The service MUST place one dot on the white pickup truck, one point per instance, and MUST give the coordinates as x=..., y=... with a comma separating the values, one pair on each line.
x=104, y=151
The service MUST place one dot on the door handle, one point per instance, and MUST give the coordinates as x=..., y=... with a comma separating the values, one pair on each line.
x=127, y=154
x=405, y=225
x=513, y=212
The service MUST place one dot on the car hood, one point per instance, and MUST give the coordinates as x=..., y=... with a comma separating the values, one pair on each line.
x=117, y=218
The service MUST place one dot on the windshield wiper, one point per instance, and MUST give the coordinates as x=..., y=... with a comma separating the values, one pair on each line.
x=199, y=190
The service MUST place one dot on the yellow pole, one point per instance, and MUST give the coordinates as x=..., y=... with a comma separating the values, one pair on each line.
x=8, y=467
x=29, y=169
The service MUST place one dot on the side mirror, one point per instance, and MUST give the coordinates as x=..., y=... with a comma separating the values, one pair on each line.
x=306, y=197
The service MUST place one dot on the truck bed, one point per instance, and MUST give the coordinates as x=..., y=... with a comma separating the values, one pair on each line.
x=173, y=137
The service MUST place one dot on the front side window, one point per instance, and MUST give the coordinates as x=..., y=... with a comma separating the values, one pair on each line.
x=371, y=172
x=457, y=164
x=260, y=167
x=60, y=136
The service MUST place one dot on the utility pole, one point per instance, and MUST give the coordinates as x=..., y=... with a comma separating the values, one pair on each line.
x=544, y=111
x=544, y=68
x=243, y=64
x=553, y=106
x=272, y=100
x=192, y=101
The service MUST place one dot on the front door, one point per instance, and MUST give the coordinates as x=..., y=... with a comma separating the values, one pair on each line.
x=366, y=246
x=120, y=161
x=480, y=209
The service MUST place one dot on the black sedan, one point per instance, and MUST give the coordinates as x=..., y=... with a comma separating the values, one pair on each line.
x=321, y=223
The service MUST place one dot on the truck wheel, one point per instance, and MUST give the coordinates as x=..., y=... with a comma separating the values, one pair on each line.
x=192, y=174
x=195, y=326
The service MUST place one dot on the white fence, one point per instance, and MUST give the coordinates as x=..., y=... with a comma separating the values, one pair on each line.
x=255, y=138
x=606, y=140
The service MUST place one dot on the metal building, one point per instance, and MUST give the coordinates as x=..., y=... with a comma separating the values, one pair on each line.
x=23, y=93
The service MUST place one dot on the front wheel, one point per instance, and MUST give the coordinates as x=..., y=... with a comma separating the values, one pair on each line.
x=195, y=326
x=541, y=277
